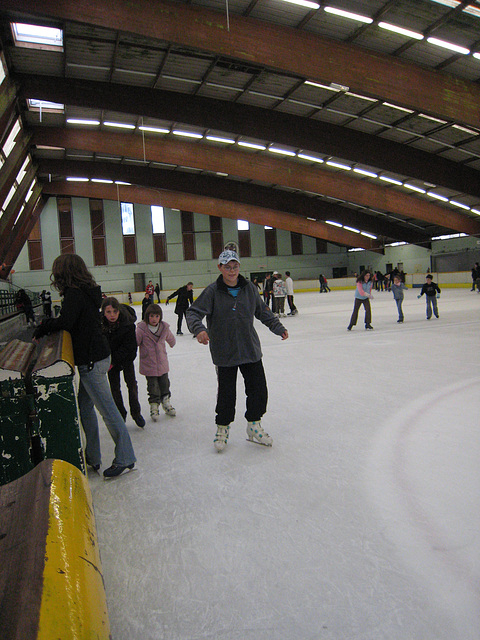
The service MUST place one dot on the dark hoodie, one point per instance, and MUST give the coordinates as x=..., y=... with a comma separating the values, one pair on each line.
x=80, y=316
x=121, y=336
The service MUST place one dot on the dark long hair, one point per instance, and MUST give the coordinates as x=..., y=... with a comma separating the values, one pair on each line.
x=361, y=277
x=69, y=270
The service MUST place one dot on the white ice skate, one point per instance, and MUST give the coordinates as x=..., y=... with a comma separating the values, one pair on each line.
x=167, y=407
x=256, y=434
x=221, y=437
x=154, y=411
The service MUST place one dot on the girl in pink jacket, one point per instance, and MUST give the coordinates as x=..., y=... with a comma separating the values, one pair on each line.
x=152, y=334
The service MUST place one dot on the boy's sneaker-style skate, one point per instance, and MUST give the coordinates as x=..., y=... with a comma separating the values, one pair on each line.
x=154, y=411
x=256, y=433
x=221, y=437
x=167, y=407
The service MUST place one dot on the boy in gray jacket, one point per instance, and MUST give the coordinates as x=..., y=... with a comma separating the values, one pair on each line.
x=230, y=305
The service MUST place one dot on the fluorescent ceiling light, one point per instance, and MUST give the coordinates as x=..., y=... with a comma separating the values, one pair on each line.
x=37, y=35
x=448, y=3
x=102, y=181
x=352, y=229
x=188, y=80
x=395, y=106
x=349, y=15
x=187, y=134
x=223, y=86
x=81, y=121
x=338, y=165
x=448, y=45
x=414, y=188
x=220, y=139
x=265, y=227
x=401, y=30
x=321, y=86
x=460, y=205
x=251, y=145
x=119, y=125
x=465, y=130
x=304, y=3
x=437, y=196
x=477, y=211
x=73, y=179
x=121, y=182
x=282, y=152
x=265, y=95
x=363, y=172
x=305, y=156
x=356, y=249
x=476, y=55
x=395, y=244
x=424, y=115
x=154, y=129
x=312, y=219
x=368, y=235
x=450, y=236
x=392, y=180
x=334, y=224
x=357, y=95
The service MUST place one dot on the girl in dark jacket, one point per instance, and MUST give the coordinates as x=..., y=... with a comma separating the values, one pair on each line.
x=119, y=327
x=80, y=316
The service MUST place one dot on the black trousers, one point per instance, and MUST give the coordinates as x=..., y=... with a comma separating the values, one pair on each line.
x=255, y=390
x=180, y=313
x=368, y=311
x=290, y=303
x=131, y=382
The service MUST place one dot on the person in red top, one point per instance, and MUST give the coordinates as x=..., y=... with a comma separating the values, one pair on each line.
x=150, y=291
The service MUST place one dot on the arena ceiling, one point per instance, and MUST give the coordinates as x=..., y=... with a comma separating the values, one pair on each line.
x=285, y=115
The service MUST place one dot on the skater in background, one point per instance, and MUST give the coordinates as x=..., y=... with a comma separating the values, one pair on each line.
x=119, y=328
x=145, y=304
x=432, y=291
x=23, y=303
x=289, y=285
x=184, y=297
x=157, y=292
x=80, y=316
x=279, y=293
x=230, y=305
x=149, y=291
x=152, y=335
x=475, y=275
x=363, y=296
x=46, y=298
x=267, y=289
x=397, y=289
x=130, y=299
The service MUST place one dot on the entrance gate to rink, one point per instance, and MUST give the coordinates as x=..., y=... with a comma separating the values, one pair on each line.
x=38, y=409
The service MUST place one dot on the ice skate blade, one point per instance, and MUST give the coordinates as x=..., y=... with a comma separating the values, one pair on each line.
x=262, y=444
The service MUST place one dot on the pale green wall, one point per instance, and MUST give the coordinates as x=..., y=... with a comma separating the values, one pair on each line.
x=119, y=277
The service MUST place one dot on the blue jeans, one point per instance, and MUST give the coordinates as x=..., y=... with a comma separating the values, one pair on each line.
x=399, y=307
x=432, y=302
x=94, y=392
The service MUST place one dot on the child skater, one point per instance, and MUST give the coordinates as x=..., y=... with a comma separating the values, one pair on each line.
x=362, y=296
x=152, y=334
x=279, y=293
x=80, y=316
x=230, y=305
x=432, y=291
x=119, y=327
x=397, y=289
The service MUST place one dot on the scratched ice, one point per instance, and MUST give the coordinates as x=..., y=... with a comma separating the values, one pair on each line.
x=360, y=523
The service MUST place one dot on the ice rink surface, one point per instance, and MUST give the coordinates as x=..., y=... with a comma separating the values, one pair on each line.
x=362, y=522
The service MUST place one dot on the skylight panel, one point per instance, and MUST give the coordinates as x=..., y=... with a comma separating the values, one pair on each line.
x=33, y=34
x=45, y=105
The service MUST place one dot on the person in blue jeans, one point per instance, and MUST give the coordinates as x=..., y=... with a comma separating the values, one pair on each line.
x=432, y=291
x=397, y=289
x=80, y=316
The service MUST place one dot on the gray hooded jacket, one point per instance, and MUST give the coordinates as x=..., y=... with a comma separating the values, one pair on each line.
x=233, y=339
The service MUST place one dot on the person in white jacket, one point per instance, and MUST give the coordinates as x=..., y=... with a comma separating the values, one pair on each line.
x=289, y=285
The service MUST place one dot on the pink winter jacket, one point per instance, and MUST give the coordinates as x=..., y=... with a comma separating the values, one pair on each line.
x=152, y=350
